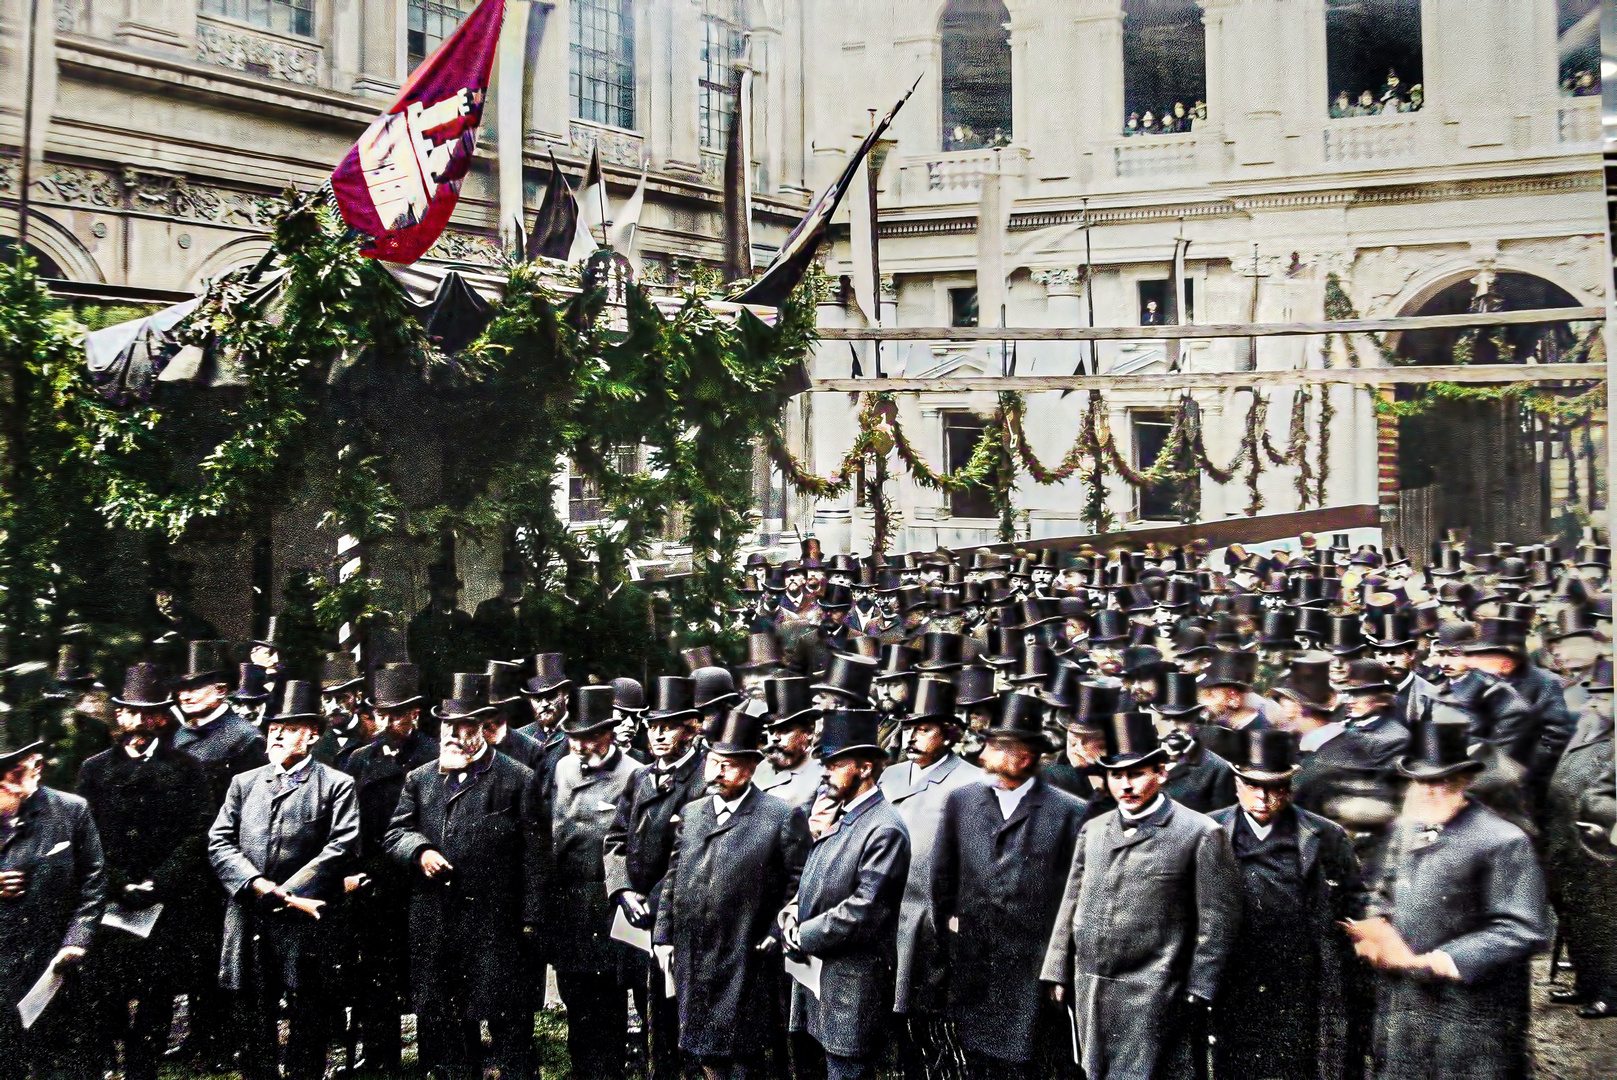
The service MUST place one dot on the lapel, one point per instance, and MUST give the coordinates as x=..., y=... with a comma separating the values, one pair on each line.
x=1307, y=844
x=291, y=784
x=1024, y=809
x=24, y=826
x=1143, y=830
x=906, y=787
x=748, y=800
x=847, y=820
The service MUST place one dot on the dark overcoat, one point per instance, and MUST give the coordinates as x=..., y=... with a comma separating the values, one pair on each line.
x=55, y=845
x=225, y=747
x=1472, y=889
x=466, y=939
x=1328, y=872
x=1201, y=780
x=1582, y=869
x=1365, y=749
x=301, y=832
x=1000, y=882
x=724, y=887
x=1552, y=725
x=524, y=749
x=638, y=843
x=1500, y=716
x=577, y=916
x=152, y=814
x=847, y=909
x=1146, y=919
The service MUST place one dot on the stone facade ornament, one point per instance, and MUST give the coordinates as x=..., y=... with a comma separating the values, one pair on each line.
x=240, y=50
x=465, y=247
x=617, y=147
x=1062, y=280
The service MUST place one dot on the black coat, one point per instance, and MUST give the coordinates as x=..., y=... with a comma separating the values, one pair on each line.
x=55, y=845
x=1000, y=882
x=152, y=814
x=1327, y=875
x=1582, y=869
x=1473, y=890
x=225, y=748
x=724, y=887
x=1366, y=750
x=1201, y=780
x=523, y=749
x=641, y=838
x=1553, y=723
x=1500, y=716
x=466, y=930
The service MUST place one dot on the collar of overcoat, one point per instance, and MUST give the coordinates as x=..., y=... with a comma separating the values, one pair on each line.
x=1308, y=833
x=1143, y=828
x=946, y=766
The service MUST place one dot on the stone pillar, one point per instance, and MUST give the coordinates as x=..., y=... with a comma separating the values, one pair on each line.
x=1097, y=105
x=685, y=57
x=1063, y=307
x=158, y=24
x=382, y=47
x=549, y=104
x=769, y=104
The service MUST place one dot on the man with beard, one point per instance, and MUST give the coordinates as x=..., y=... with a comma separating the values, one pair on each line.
x=764, y=661
x=1501, y=650
x=1150, y=911
x=735, y=861
x=813, y=652
x=504, y=691
x=467, y=834
x=349, y=723
x=1454, y=922
x=998, y=871
x=152, y=809
x=225, y=745
x=52, y=887
x=378, y=890
x=893, y=688
x=266, y=653
x=584, y=796
x=866, y=611
x=279, y=846
x=252, y=694
x=547, y=694
x=1197, y=777
x=917, y=788
x=795, y=602
x=637, y=847
x=1283, y=1008
x=790, y=772
x=1225, y=692
x=1500, y=716
x=845, y=912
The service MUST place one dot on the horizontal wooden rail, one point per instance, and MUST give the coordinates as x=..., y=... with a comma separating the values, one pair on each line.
x=1188, y=380
x=1210, y=330
x=1218, y=533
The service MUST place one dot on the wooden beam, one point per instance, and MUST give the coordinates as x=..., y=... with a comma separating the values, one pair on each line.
x=1209, y=330
x=1220, y=533
x=1186, y=380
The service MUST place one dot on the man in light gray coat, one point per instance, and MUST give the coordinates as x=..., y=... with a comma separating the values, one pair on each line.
x=918, y=788
x=1151, y=909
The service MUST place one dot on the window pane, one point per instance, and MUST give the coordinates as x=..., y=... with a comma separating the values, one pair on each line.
x=430, y=22
x=976, y=75
x=1578, y=29
x=601, y=61
x=286, y=16
x=723, y=42
x=1373, y=56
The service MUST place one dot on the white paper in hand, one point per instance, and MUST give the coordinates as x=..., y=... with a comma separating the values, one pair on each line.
x=137, y=921
x=626, y=932
x=808, y=974
x=39, y=996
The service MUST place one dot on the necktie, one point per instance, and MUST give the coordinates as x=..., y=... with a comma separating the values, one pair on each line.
x=724, y=815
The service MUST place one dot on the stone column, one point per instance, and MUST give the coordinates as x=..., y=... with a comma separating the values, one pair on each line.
x=382, y=47
x=549, y=106
x=1064, y=307
x=1097, y=104
x=769, y=103
x=682, y=72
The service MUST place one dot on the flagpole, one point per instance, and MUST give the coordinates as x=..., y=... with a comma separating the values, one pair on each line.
x=27, y=131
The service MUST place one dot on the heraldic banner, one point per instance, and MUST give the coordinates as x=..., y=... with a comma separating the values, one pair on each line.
x=399, y=183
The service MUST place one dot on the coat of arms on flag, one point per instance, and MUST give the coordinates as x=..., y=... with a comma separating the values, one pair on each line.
x=399, y=183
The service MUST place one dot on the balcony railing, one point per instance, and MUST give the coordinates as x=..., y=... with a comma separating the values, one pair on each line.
x=1370, y=140
x=956, y=175
x=1578, y=122
x=1143, y=156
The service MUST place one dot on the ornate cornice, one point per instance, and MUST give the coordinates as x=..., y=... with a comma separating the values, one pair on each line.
x=142, y=192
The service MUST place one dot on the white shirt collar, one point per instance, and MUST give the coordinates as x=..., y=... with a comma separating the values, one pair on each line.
x=720, y=806
x=1320, y=736
x=868, y=795
x=1155, y=805
x=1260, y=831
x=1010, y=799
x=151, y=749
x=303, y=763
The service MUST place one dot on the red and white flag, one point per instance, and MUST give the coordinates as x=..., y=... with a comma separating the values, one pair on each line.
x=400, y=181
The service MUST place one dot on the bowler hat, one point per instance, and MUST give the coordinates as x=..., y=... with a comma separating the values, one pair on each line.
x=673, y=698
x=851, y=731
x=714, y=688
x=467, y=700
x=788, y=700
x=144, y=688
x=549, y=675
x=396, y=686
x=1142, y=661
x=1131, y=740
x=251, y=684
x=935, y=699
x=339, y=671
x=975, y=685
x=206, y=662
x=1020, y=716
x=1264, y=756
x=299, y=701
x=628, y=696
x=849, y=678
x=594, y=712
x=1438, y=748
x=739, y=734
x=1176, y=694
x=14, y=746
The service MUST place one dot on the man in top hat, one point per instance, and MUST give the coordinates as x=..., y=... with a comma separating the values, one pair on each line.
x=78, y=722
x=845, y=911
x=583, y=804
x=377, y=888
x=640, y=841
x=998, y=870
x=1455, y=919
x=1077, y=770
x=548, y=694
x=466, y=834
x=765, y=660
x=1149, y=915
x=1500, y=716
x=252, y=694
x=266, y=653
x=279, y=846
x=1197, y=777
x=52, y=888
x=846, y=684
x=1501, y=650
x=736, y=860
x=790, y=772
x=507, y=705
x=917, y=787
x=1225, y=692
x=1574, y=650
x=629, y=711
x=152, y=809
x=498, y=623
x=1282, y=1008
x=893, y=689
x=349, y=723
x=440, y=636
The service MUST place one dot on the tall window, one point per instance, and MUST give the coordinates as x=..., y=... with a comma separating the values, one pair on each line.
x=601, y=65
x=1578, y=33
x=430, y=22
x=961, y=434
x=1164, y=67
x=1159, y=303
x=976, y=75
x=723, y=42
x=287, y=16
x=1151, y=430
x=1373, y=57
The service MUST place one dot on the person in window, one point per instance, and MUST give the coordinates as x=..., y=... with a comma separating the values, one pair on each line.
x=1367, y=105
x=1132, y=125
x=1417, y=98
x=1152, y=316
x=1392, y=94
x=1148, y=123
x=1181, y=119
x=1199, y=113
x=1342, y=106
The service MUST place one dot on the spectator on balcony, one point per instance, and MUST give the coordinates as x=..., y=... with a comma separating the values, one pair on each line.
x=1152, y=315
x=1132, y=125
x=1581, y=84
x=1417, y=97
x=1181, y=118
x=1199, y=113
x=1392, y=93
x=1342, y=106
x=1148, y=123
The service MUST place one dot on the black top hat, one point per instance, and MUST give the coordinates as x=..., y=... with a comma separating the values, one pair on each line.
x=739, y=734
x=1572, y=622
x=1390, y=630
x=1522, y=613
x=1437, y=748
x=206, y=662
x=1396, y=556
x=897, y=661
x=1176, y=694
x=945, y=651
x=674, y=698
x=396, y=686
x=1229, y=667
x=975, y=685
x=1263, y=756
x=1021, y=717
x=1308, y=682
x=549, y=675
x=1367, y=677
x=888, y=580
x=1131, y=740
x=1512, y=569
x=71, y=670
x=1279, y=629
x=1109, y=626
x=1178, y=594
x=628, y=696
x=935, y=699
x=274, y=631
x=1498, y=636
x=1450, y=566
x=852, y=731
x=1060, y=689
x=1541, y=576
x=1007, y=646
x=1314, y=623
x=1191, y=640
x=1096, y=702
x=594, y=711
x=298, y=702
x=339, y=672
x=836, y=598
x=789, y=701
x=1346, y=636
x=862, y=645
x=914, y=598
x=848, y=677
x=145, y=688
x=504, y=682
x=1142, y=661
x=763, y=651
x=1594, y=555
x=698, y=657
x=842, y=563
x=1307, y=591
x=1033, y=664
x=467, y=700
x=1426, y=617
x=251, y=684
x=1600, y=678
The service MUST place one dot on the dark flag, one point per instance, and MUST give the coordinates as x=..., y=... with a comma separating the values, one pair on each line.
x=737, y=188
x=792, y=260
x=557, y=220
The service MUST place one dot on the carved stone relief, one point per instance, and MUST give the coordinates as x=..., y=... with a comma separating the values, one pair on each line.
x=240, y=50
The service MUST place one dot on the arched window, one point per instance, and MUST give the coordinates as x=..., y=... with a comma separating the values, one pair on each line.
x=976, y=75
x=724, y=39
x=1373, y=57
x=601, y=61
x=1164, y=67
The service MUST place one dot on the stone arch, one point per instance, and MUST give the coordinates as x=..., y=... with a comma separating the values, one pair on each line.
x=57, y=242
x=235, y=254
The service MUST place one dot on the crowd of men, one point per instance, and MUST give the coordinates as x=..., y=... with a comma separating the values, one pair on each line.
x=1172, y=119
x=1138, y=814
x=1392, y=97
